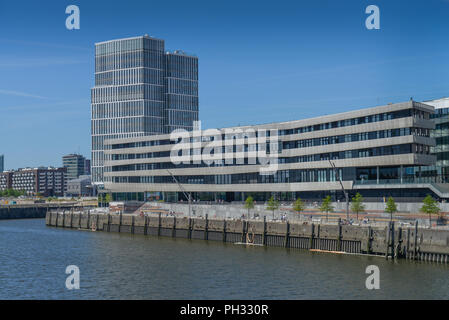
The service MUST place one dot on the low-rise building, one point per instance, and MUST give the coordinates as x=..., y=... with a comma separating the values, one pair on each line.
x=45, y=181
x=75, y=164
x=81, y=187
x=381, y=151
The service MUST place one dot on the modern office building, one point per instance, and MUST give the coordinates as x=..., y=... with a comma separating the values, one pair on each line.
x=36, y=181
x=80, y=187
x=2, y=163
x=439, y=173
x=75, y=164
x=87, y=171
x=140, y=89
x=381, y=151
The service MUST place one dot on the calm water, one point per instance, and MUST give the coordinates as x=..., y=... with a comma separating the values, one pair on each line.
x=33, y=259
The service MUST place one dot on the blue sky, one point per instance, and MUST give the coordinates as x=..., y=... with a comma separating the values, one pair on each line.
x=259, y=61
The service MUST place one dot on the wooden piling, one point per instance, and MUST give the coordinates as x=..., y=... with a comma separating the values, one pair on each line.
x=206, y=226
x=388, y=240
x=311, y=237
x=173, y=233
x=339, y=235
x=132, y=224
x=243, y=231
x=224, y=230
x=190, y=229
x=416, y=239
x=264, y=236
x=407, y=250
x=287, y=235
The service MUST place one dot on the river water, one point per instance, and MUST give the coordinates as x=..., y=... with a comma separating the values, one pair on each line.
x=33, y=260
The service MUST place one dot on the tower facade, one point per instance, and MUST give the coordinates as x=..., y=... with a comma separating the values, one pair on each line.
x=140, y=90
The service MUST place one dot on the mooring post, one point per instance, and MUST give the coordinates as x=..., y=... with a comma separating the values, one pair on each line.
x=63, y=219
x=49, y=218
x=287, y=234
x=173, y=233
x=71, y=220
x=97, y=221
x=88, y=219
x=264, y=236
x=159, y=224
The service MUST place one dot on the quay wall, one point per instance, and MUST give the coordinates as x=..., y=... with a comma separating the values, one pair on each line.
x=32, y=211
x=392, y=242
x=12, y=212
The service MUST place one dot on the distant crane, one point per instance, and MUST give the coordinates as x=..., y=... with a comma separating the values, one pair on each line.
x=188, y=196
x=337, y=176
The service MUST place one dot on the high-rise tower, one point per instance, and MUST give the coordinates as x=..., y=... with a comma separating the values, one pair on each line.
x=140, y=90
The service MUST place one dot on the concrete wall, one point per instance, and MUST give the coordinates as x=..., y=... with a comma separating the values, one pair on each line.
x=11, y=212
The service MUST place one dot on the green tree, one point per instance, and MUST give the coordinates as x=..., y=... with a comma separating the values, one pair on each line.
x=430, y=206
x=272, y=205
x=249, y=204
x=357, y=204
x=326, y=206
x=12, y=193
x=108, y=198
x=298, y=205
x=391, y=207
